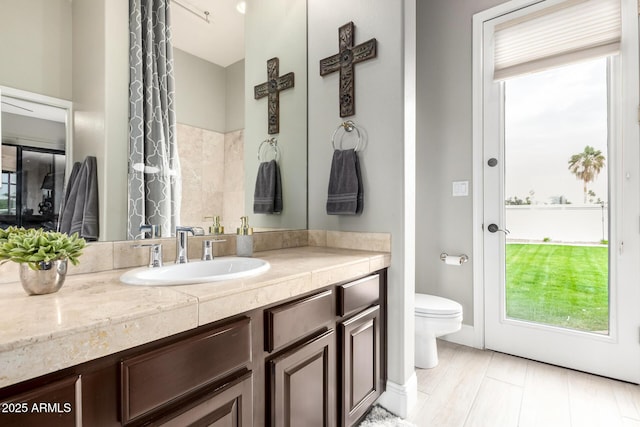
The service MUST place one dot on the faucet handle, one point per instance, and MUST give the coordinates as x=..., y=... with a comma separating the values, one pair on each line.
x=152, y=230
x=155, y=253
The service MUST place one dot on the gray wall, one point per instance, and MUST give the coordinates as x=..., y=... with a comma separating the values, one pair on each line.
x=380, y=114
x=200, y=92
x=277, y=28
x=235, y=96
x=444, y=146
x=35, y=46
x=209, y=96
x=100, y=97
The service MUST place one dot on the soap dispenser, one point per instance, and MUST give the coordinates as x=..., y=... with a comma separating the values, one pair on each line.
x=215, y=228
x=244, y=239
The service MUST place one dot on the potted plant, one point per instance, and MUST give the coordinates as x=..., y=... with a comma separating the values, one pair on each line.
x=42, y=255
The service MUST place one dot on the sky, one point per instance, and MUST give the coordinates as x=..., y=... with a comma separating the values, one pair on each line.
x=549, y=116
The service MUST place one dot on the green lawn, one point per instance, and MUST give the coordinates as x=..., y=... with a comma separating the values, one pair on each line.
x=559, y=285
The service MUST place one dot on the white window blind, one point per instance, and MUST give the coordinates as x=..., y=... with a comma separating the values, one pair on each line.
x=560, y=34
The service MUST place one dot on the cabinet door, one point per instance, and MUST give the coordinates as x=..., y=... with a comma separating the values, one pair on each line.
x=360, y=375
x=231, y=406
x=54, y=404
x=301, y=385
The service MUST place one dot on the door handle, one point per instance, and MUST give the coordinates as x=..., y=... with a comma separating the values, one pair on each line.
x=493, y=228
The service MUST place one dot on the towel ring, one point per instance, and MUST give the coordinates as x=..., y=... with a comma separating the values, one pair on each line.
x=347, y=126
x=273, y=144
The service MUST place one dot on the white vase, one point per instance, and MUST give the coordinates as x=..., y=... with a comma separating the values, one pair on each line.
x=46, y=279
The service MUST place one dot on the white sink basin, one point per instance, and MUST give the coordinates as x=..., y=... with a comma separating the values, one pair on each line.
x=196, y=272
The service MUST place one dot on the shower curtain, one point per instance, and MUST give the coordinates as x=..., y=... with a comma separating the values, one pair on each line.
x=154, y=168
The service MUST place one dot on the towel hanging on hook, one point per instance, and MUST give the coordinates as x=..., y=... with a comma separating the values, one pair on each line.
x=267, y=196
x=346, y=192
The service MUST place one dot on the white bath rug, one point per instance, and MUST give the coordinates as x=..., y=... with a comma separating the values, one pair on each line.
x=380, y=417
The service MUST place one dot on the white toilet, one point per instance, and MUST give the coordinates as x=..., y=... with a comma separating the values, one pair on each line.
x=435, y=316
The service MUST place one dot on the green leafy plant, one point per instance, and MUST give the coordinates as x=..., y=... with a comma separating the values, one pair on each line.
x=33, y=246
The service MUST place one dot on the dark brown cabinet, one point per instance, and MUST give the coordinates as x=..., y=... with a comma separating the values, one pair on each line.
x=315, y=360
x=154, y=379
x=289, y=322
x=361, y=382
x=230, y=406
x=361, y=348
x=302, y=384
x=53, y=404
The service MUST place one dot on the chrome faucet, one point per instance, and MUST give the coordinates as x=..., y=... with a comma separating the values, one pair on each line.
x=182, y=245
x=207, y=248
x=153, y=231
x=155, y=254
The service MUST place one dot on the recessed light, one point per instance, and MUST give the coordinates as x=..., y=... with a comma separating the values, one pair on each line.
x=241, y=7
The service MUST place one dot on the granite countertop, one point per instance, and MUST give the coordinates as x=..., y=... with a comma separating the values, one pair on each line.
x=94, y=314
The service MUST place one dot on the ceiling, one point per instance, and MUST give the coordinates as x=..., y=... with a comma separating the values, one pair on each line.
x=220, y=41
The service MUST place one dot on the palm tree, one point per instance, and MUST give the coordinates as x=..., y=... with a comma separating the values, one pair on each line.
x=586, y=166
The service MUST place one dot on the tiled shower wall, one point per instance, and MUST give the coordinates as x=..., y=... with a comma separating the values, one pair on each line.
x=212, y=166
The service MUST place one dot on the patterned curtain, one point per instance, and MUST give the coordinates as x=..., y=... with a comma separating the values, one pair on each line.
x=154, y=167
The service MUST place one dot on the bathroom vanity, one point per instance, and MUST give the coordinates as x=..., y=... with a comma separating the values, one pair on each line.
x=303, y=344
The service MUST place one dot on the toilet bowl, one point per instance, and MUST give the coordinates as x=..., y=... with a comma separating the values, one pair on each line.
x=435, y=316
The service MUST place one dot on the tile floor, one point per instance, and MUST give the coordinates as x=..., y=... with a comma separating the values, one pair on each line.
x=472, y=387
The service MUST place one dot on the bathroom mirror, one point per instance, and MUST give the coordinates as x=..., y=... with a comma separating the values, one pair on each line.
x=216, y=150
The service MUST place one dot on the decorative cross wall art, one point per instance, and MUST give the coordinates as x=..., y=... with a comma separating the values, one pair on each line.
x=344, y=61
x=272, y=87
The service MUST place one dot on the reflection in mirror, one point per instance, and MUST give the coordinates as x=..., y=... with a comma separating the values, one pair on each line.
x=34, y=138
x=78, y=51
x=221, y=125
x=209, y=74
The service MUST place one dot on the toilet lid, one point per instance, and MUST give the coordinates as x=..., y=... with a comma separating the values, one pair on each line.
x=436, y=306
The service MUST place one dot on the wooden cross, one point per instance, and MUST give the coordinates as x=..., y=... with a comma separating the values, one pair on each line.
x=343, y=61
x=272, y=87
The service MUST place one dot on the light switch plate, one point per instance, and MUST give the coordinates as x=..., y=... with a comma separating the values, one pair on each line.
x=460, y=188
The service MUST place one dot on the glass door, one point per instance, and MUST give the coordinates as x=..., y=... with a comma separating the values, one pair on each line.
x=32, y=187
x=560, y=209
x=556, y=204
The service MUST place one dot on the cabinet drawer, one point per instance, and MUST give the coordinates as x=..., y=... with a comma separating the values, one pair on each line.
x=229, y=406
x=55, y=404
x=358, y=295
x=155, y=378
x=294, y=320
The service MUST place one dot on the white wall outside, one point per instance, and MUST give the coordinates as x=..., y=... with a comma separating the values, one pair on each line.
x=560, y=223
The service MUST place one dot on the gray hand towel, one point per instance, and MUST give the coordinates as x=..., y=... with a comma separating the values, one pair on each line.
x=80, y=206
x=267, y=197
x=346, y=196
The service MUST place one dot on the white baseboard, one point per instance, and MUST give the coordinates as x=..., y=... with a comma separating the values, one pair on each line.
x=400, y=399
x=465, y=336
